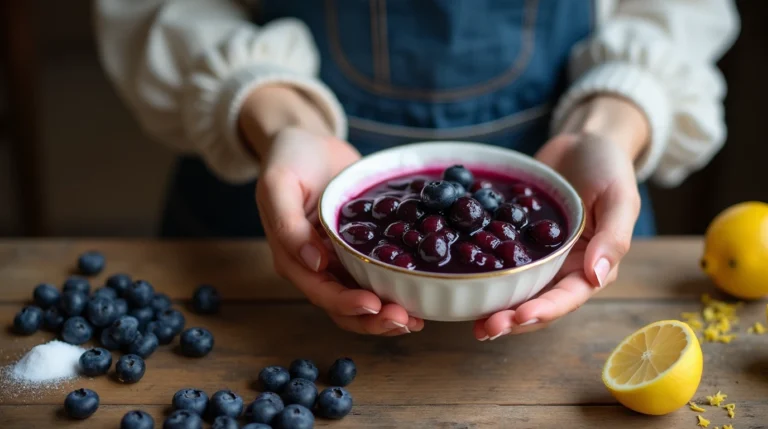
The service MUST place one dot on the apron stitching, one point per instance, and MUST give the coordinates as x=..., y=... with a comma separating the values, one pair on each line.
x=383, y=41
x=504, y=79
x=375, y=44
x=483, y=129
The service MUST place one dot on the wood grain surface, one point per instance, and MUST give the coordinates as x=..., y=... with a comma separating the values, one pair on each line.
x=438, y=378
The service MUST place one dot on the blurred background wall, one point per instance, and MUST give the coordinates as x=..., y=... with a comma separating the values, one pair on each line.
x=74, y=163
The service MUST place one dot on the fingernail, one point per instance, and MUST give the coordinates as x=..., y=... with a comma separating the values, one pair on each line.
x=502, y=333
x=391, y=324
x=311, y=257
x=365, y=310
x=484, y=338
x=602, y=267
x=530, y=322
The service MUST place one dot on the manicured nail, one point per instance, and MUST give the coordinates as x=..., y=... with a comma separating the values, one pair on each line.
x=530, y=322
x=484, y=338
x=502, y=333
x=311, y=257
x=602, y=267
x=391, y=324
x=365, y=310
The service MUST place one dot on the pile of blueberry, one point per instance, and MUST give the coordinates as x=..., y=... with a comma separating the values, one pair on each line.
x=287, y=402
x=454, y=224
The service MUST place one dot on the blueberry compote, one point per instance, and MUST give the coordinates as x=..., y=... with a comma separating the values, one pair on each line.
x=453, y=221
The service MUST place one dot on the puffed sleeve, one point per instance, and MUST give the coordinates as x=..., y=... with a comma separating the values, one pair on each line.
x=184, y=68
x=661, y=55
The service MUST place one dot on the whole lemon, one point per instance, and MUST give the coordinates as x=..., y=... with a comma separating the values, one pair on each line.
x=736, y=250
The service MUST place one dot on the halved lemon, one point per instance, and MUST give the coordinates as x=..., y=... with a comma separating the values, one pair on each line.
x=657, y=369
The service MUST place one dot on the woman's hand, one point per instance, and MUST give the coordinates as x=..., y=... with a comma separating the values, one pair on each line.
x=299, y=156
x=595, y=153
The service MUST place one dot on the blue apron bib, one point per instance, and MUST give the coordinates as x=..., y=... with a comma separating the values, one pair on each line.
x=474, y=70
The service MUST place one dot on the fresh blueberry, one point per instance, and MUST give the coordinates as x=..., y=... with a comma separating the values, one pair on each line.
x=77, y=284
x=53, y=319
x=81, y=403
x=546, y=233
x=412, y=238
x=404, y=260
x=160, y=302
x=410, y=211
x=467, y=215
x=28, y=320
x=121, y=307
x=303, y=368
x=76, y=330
x=264, y=408
x=513, y=254
x=459, y=174
x=503, y=230
x=434, y=249
x=196, y=342
x=299, y=391
x=183, y=419
x=105, y=292
x=358, y=233
x=163, y=331
x=225, y=403
x=385, y=208
x=46, y=296
x=206, y=300
x=438, y=196
x=139, y=294
x=386, y=252
x=101, y=311
x=257, y=426
x=137, y=419
x=274, y=378
x=73, y=303
x=172, y=318
x=334, y=403
x=91, y=263
x=144, y=345
x=357, y=209
x=294, y=416
x=342, y=372
x=95, y=362
x=512, y=213
x=120, y=283
x=144, y=315
x=193, y=400
x=486, y=240
x=106, y=340
x=130, y=368
x=459, y=189
x=489, y=199
x=124, y=330
x=225, y=422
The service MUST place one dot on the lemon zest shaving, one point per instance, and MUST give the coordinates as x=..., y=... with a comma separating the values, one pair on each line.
x=727, y=426
x=757, y=329
x=726, y=339
x=702, y=422
x=716, y=399
x=696, y=408
x=731, y=409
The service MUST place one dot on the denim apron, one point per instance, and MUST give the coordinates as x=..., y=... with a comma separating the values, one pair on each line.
x=414, y=70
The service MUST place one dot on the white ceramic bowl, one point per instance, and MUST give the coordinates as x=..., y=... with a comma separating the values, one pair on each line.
x=449, y=297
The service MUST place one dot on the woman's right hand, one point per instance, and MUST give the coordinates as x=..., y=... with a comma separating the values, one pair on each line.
x=299, y=156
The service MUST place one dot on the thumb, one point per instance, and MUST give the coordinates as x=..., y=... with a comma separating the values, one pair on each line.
x=281, y=200
x=615, y=212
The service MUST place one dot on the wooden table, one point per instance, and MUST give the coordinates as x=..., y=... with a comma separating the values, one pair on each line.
x=439, y=378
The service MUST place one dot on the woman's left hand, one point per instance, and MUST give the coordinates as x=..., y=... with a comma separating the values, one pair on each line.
x=595, y=153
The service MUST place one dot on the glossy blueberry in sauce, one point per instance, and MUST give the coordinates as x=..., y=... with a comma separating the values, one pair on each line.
x=453, y=220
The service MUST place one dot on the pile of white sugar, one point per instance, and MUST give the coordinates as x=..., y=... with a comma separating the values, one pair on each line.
x=45, y=365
